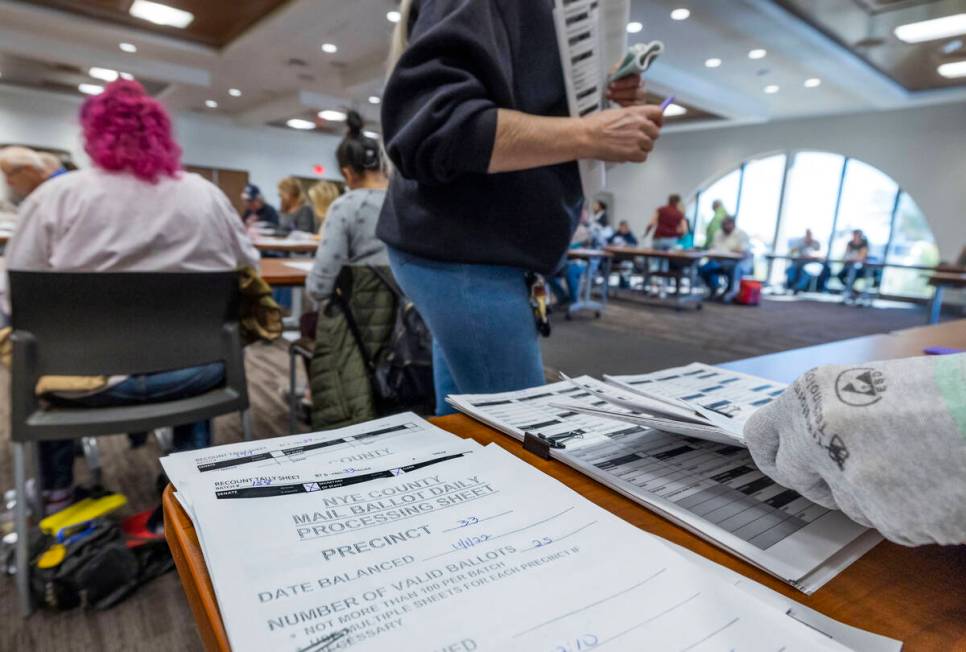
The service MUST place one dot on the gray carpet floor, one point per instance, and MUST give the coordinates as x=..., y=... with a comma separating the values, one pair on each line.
x=630, y=337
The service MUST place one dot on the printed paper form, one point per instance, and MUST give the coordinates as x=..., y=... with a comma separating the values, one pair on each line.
x=578, y=38
x=727, y=398
x=345, y=448
x=712, y=489
x=461, y=545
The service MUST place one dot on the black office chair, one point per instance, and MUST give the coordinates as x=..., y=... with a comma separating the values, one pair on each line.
x=94, y=323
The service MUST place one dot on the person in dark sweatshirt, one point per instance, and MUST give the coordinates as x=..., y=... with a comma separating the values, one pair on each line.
x=486, y=185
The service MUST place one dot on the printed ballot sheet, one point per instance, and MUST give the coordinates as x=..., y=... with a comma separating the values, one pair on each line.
x=577, y=25
x=725, y=398
x=713, y=489
x=341, y=449
x=470, y=552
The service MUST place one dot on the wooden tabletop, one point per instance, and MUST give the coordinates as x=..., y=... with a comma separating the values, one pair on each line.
x=647, y=252
x=916, y=595
x=949, y=279
x=278, y=272
x=582, y=252
x=287, y=245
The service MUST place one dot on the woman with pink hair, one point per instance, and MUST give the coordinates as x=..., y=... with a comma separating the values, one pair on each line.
x=134, y=210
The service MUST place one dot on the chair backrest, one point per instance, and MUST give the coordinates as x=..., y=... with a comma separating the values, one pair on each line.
x=107, y=323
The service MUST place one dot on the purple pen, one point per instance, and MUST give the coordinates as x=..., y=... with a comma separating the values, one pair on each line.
x=666, y=103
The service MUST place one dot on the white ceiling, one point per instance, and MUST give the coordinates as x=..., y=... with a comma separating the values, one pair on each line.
x=272, y=89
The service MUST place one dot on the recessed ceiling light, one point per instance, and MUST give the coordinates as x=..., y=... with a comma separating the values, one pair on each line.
x=771, y=89
x=929, y=30
x=130, y=48
x=757, y=54
x=234, y=92
x=211, y=104
x=813, y=82
x=713, y=62
x=332, y=115
x=673, y=110
x=90, y=89
x=127, y=76
x=104, y=74
x=330, y=48
x=953, y=70
x=953, y=46
x=371, y=134
x=393, y=16
x=374, y=99
x=159, y=14
x=298, y=123
x=680, y=14
x=634, y=28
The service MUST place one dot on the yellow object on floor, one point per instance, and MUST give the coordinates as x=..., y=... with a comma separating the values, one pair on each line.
x=84, y=510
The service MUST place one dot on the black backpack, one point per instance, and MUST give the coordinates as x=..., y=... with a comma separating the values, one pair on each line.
x=401, y=371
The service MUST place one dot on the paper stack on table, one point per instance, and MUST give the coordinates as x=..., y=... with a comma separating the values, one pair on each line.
x=353, y=539
x=703, y=480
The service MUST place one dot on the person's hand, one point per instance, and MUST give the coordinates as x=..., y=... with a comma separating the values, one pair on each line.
x=622, y=135
x=627, y=91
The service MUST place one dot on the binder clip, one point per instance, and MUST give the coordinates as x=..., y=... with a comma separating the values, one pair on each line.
x=540, y=445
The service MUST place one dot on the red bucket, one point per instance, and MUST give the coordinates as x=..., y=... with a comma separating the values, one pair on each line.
x=749, y=292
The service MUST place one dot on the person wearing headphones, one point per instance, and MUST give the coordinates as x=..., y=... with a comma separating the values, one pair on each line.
x=486, y=186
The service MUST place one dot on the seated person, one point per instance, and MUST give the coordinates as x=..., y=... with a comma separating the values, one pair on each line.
x=573, y=270
x=349, y=237
x=134, y=210
x=256, y=210
x=624, y=237
x=728, y=240
x=295, y=214
x=802, y=250
x=24, y=170
x=856, y=254
x=600, y=228
x=884, y=443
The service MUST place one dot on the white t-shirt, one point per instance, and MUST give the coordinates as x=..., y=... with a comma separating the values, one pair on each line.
x=736, y=242
x=94, y=220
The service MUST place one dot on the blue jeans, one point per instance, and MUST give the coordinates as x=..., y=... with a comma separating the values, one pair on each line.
x=484, y=336
x=573, y=271
x=57, y=457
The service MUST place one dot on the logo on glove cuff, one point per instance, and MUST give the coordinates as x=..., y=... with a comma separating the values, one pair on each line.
x=860, y=387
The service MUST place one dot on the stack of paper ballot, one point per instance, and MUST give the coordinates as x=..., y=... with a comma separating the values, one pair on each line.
x=394, y=535
x=672, y=441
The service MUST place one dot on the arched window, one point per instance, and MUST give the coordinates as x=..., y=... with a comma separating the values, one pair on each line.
x=776, y=198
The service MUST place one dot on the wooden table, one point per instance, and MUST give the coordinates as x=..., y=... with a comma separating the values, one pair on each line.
x=917, y=595
x=278, y=272
x=687, y=262
x=941, y=281
x=286, y=245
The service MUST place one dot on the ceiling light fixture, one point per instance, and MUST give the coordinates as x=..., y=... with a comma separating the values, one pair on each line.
x=159, y=14
x=393, y=16
x=90, y=89
x=771, y=89
x=713, y=62
x=130, y=48
x=234, y=92
x=371, y=134
x=211, y=104
x=757, y=54
x=332, y=115
x=330, y=48
x=634, y=27
x=300, y=124
x=104, y=74
x=374, y=99
x=674, y=110
x=953, y=46
x=953, y=70
x=930, y=30
x=680, y=14
x=813, y=82
x=127, y=76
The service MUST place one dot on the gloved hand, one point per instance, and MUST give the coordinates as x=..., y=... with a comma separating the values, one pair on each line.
x=885, y=442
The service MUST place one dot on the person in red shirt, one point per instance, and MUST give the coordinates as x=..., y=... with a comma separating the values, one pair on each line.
x=668, y=224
